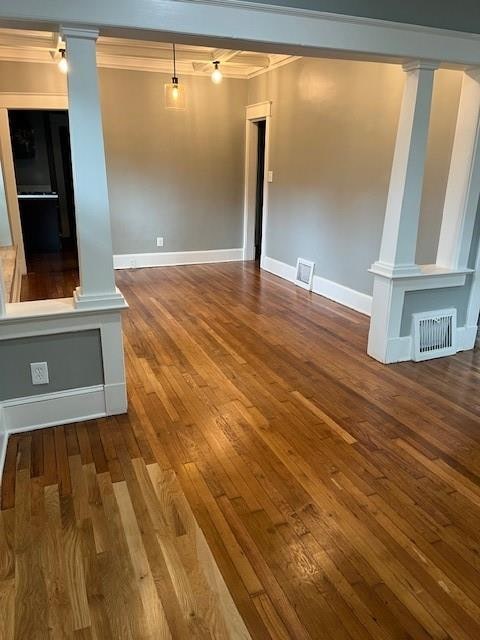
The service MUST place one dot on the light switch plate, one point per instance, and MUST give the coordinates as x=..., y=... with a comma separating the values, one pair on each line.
x=159, y=242
x=39, y=372
x=270, y=176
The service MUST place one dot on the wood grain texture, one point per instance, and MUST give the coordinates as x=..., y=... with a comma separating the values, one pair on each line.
x=269, y=481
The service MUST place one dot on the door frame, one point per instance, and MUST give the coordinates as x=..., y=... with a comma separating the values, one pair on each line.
x=9, y=101
x=255, y=113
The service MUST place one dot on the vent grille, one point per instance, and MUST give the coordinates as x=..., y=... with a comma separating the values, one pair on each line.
x=304, y=275
x=435, y=334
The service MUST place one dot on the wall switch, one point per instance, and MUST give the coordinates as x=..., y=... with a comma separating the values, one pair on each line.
x=159, y=242
x=269, y=176
x=39, y=372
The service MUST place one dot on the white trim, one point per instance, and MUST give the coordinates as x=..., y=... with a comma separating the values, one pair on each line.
x=253, y=23
x=278, y=268
x=466, y=337
x=273, y=66
x=345, y=296
x=10, y=185
x=400, y=349
x=357, y=300
x=259, y=110
x=174, y=258
x=49, y=410
x=30, y=100
x=254, y=113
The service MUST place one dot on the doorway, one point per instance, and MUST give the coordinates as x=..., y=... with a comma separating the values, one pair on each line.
x=43, y=175
x=256, y=180
x=261, y=129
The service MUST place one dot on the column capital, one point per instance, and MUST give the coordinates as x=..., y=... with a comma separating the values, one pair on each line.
x=413, y=65
x=85, y=33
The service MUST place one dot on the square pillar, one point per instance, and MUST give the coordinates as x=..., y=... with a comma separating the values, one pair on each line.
x=97, y=281
x=400, y=231
x=399, y=239
x=463, y=186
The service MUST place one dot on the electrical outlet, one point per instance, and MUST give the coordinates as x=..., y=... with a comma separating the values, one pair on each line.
x=159, y=242
x=133, y=263
x=39, y=372
x=269, y=176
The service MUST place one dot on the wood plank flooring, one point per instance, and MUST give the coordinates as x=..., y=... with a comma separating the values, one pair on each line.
x=339, y=498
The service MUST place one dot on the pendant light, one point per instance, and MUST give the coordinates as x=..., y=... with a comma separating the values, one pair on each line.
x=174, y=92
x=62, y=63
x=216, y=73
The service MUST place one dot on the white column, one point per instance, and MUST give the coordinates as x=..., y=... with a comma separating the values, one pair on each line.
x=3, y=297
x=94, y=238
x=400, y=230
x=399, y=240
x=5, y=232
x=10, y=189
x=463, y=187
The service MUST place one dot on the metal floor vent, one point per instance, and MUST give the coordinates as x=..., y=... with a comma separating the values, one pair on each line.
x=304, y=275
x=434, y=334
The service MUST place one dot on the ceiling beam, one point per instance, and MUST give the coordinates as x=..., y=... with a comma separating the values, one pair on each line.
x=220, y=55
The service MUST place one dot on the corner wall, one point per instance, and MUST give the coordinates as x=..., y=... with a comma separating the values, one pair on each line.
x=333, y=132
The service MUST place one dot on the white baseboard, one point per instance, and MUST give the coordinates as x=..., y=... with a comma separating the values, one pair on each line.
x=174, y=258
x=50, y=410
x=400, y=349
x=466, y=337
x=356, y=300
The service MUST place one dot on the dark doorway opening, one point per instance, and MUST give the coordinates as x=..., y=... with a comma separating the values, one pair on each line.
x=43, y=173
x=261, y=127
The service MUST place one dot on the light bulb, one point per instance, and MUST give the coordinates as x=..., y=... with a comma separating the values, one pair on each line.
x=216, y=74
x=175, y=92
x=62, y=63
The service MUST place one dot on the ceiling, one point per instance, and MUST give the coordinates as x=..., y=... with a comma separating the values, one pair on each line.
x=118, y=53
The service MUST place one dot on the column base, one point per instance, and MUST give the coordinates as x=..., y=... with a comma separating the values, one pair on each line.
x=114, y=300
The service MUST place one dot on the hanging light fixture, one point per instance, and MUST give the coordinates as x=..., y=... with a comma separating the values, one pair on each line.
x=174, y=92
x=62, y=63
x=217, y=75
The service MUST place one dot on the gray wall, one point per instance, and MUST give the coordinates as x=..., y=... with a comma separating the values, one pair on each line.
x=74, y=361
x=333, y=133
x=176, y=174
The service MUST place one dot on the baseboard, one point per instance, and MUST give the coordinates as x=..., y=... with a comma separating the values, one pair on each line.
x=175, y=258
x=466, y=337
x=356, y=300
x=49, y=410
x=400, y=349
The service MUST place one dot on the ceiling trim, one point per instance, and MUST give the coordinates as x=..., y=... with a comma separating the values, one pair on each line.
x=116, y=53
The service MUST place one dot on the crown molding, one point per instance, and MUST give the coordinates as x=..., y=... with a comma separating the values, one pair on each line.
x=293, y=30
x=190, y=62
x=275, y=65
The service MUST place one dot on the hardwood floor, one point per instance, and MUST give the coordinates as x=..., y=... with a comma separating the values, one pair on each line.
x=339, y=498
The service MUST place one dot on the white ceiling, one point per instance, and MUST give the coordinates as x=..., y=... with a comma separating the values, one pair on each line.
x=118, y=53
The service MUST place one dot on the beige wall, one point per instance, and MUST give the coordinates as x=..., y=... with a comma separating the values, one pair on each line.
x=175, y=174
x=333, y=133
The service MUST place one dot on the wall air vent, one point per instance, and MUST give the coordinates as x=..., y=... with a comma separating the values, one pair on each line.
x=434, y=334
x=304, y=276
